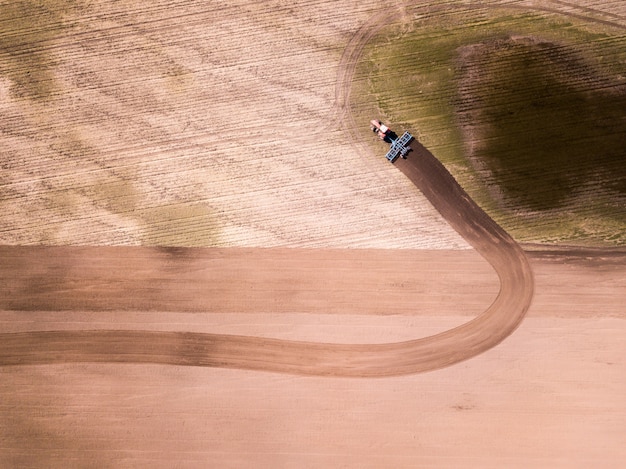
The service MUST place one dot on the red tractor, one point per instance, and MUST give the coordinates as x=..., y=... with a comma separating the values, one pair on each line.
x=383, y=132
x=399, y=146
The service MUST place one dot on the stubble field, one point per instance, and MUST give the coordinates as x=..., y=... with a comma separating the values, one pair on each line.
x=227, y=128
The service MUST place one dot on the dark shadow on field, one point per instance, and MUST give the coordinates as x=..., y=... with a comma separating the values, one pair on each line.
x=547, y=124
x=446, y=195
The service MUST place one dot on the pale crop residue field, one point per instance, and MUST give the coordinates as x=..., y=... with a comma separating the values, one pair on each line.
x=526, y=107
x=173, y=124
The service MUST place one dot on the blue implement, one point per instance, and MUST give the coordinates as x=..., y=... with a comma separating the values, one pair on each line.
x=399, y=147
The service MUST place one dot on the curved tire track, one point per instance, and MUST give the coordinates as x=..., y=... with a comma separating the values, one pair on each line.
x=322, y=359
x=362, y=360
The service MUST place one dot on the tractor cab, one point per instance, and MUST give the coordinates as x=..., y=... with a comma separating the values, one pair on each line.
x=399, y=145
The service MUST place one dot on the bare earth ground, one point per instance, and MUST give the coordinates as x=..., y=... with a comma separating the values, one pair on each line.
x=550, y=395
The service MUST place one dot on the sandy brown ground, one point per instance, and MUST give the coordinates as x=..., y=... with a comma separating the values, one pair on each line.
x=550, y=395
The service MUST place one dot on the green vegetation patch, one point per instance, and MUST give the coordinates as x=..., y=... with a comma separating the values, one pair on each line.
x=527, y=110
x=27, y=31
x=179, y=225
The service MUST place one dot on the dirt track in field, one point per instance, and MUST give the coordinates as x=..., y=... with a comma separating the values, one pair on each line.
x=365, y=360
